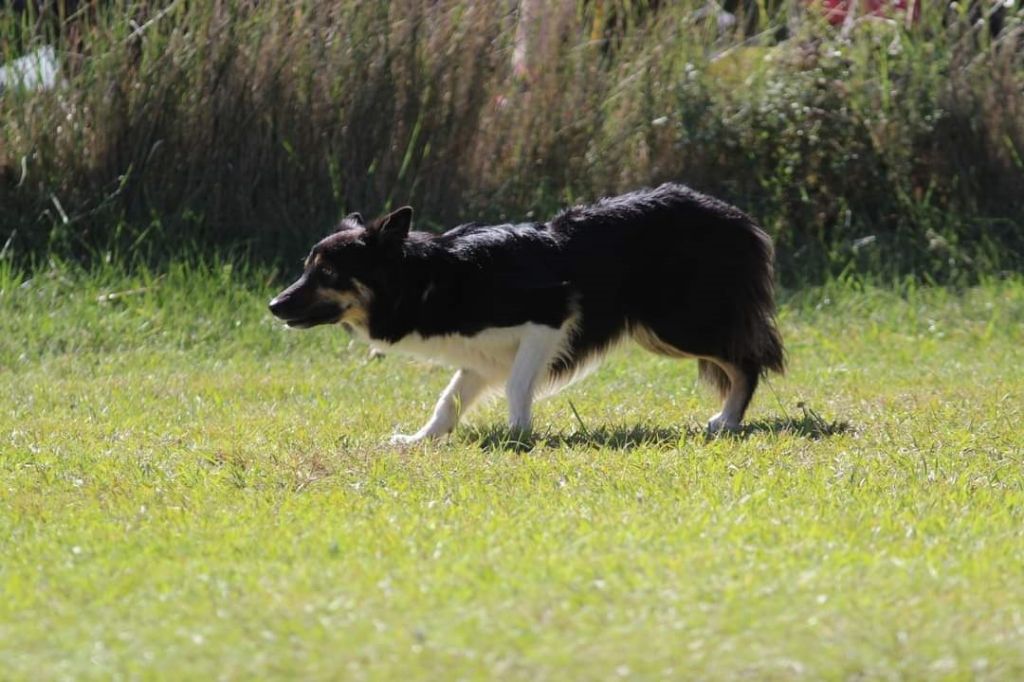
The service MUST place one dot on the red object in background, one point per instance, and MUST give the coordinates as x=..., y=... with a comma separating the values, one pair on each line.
x=837, y=10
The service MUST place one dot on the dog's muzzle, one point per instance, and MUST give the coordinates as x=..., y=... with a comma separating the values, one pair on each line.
x=298, y=308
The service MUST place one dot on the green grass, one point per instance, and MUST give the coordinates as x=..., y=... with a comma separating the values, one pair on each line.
x=189, y=491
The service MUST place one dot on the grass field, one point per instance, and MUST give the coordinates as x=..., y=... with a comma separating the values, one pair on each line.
x=189, y=491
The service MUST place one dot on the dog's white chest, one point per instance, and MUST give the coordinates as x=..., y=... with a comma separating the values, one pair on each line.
x=490, y=352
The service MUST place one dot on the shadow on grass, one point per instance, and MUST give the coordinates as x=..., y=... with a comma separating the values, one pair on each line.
x=812, y=427
x=809, y=425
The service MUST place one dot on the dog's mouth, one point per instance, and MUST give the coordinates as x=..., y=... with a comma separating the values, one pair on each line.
x=319, y=315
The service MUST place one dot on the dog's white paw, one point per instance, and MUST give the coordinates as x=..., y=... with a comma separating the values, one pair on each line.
x=404, y=440
x=423, y=436
x=719, y=424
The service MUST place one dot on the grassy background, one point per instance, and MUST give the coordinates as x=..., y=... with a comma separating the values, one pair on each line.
x=253, y=126
x=190, y=490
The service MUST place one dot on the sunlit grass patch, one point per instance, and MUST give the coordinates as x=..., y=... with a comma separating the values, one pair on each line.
x=187, y=490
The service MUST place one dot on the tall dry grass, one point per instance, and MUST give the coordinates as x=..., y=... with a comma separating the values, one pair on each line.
x=253, y=125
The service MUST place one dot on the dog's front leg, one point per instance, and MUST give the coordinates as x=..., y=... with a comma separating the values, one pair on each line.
x=464, y=388
x=534, y=355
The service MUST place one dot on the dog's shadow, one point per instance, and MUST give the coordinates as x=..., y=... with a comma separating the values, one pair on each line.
x=809, y=425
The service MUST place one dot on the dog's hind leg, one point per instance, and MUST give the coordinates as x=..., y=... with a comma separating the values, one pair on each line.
x=734, y=382
x=742, y=382
x=533, y=358
x=464, y=388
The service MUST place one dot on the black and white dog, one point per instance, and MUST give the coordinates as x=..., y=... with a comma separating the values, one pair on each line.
x=529, y=307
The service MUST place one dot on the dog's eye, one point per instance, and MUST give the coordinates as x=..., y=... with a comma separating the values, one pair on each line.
x=328, y=273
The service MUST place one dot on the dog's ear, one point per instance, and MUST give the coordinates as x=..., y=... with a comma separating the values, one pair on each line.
x=350, y=222
x=394, y=227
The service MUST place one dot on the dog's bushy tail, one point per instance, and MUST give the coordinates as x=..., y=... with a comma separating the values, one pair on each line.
x=761, y=343
x=755, y=344
x=758, y=345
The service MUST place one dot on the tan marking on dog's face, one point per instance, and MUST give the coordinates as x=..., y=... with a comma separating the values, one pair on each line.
x=354, y=303
x=318, y=262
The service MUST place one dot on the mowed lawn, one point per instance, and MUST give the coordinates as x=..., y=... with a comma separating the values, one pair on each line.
x=190, y=491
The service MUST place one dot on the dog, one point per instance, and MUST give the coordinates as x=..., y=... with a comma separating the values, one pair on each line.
x=531, y=307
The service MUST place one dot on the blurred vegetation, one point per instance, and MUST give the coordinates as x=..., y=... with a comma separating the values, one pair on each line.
x=884, y=146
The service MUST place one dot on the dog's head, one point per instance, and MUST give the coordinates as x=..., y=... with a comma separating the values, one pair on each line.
x=342, y=272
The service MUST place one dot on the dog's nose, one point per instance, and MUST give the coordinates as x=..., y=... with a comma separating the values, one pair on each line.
x=275, y=305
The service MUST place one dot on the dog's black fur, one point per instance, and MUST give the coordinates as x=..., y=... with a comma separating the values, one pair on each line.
x=690, y=272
